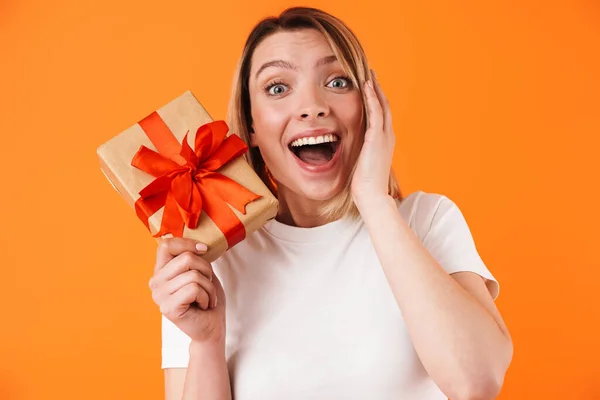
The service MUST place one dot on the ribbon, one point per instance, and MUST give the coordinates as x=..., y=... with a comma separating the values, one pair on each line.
x=187, y=180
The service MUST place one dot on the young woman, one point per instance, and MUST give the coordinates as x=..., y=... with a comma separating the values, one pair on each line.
x=352, y=292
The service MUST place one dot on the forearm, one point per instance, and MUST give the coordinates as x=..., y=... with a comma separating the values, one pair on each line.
x=458, y=341
x=207, y=376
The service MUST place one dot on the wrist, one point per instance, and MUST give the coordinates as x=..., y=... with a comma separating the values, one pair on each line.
x=215, y=348
x=369, y=203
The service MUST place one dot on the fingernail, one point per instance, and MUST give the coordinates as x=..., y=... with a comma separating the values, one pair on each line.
x=201, y=247
x=370, y=83
x=216, y=299
x=374, y=74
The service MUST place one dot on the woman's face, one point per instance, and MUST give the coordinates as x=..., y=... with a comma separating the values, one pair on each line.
x=306, y=114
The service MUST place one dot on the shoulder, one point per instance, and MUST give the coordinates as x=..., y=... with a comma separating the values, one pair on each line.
x=423, y=210
x=443, y=230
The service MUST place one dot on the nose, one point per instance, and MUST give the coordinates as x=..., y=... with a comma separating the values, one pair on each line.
x=313, y=105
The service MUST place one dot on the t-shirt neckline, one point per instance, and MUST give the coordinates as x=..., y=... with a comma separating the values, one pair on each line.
x=297, y=234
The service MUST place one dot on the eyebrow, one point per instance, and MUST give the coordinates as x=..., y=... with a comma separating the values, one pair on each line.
x=287, y=65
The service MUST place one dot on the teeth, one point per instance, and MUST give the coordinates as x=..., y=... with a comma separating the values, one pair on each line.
x=314, y=140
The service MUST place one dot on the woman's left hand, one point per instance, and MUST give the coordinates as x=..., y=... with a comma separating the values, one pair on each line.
x=371, y=177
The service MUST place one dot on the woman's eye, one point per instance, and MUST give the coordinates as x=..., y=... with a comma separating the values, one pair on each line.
x=276, y=90
x=339, y=83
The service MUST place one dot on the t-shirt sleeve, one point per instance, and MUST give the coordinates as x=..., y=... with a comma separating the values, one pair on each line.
x=447, y=237
x=175, y=345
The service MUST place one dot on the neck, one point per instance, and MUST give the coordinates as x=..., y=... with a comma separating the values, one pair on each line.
x=300, y=212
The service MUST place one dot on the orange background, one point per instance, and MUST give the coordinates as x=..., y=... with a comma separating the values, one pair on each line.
x=496, y=105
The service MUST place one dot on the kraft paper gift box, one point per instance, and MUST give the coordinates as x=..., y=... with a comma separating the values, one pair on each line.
x=205, y=190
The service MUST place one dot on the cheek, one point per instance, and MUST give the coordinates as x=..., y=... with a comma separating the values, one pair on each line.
x=350, y=113
x=355, y=110
x=268, y=121
x=266, y=111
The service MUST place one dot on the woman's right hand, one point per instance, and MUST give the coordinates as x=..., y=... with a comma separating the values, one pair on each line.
x=187, y=291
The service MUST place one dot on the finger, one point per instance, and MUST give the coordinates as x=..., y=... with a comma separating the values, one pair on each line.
x=374, y=109
x=184, y=262
x=170, y=248
x=176, y=305
x=192, y=276
x=383, y=100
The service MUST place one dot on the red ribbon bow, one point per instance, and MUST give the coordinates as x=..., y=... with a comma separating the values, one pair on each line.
x=188, y=183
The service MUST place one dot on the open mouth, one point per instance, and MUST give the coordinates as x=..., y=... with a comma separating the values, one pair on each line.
x=317, y=150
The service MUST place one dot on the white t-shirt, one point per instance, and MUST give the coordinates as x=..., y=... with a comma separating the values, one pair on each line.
x=310, y=314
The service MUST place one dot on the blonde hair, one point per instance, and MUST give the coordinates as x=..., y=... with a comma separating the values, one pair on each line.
x=350, y=54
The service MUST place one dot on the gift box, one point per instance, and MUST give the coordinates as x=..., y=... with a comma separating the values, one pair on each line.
x=185, y=175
